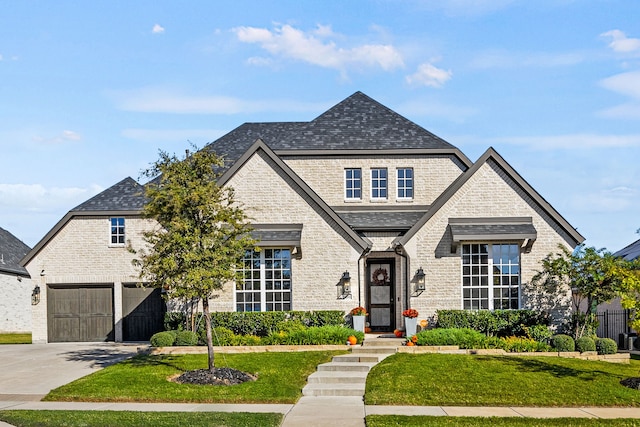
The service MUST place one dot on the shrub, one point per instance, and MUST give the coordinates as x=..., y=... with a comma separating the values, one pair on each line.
x=247, y=340
x=163, y=339
x=606, y=346
x=318, y=335
x=186, y=338
x=220, y=336
x=540, y=333
x=174, y=321
x=290, y=325
x=502, y=323
x=463, y=338
x=585, y=344
x=522, y=345
x=563, y=343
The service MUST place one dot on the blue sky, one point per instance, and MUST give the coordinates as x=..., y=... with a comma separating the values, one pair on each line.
x=90, y=91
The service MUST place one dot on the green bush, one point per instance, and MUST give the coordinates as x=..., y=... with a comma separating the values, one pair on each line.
x=523, y=345
x=585, y=344
x=503, y=323
x=186, y=338
x=174, y=321
x=247, y=340
x=163, y=339
x=316, y=335
x=463, y=338
x=606, y=346
x=563, y=343
x=540, y=333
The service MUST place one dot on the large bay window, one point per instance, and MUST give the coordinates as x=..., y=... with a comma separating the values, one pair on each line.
x=490, y=276
x=266, y=284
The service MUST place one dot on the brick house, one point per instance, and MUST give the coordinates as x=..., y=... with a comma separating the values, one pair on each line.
x=15, y=285
x=359, y=192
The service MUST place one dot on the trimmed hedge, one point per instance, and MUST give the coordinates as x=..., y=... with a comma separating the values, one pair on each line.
x=501, y=323
x=606, y=346
x=186, y=338
x=585, y=344
x=470, y=339
x=163, y=339
x=563, y=343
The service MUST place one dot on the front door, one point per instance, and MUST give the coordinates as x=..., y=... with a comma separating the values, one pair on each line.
x=381, y=283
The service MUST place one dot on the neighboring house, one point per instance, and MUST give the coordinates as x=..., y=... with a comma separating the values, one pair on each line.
x=15, y=285
x=359, y=192
x=630, y=252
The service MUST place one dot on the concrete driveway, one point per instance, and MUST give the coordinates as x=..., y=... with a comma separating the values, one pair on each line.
x=30, y=371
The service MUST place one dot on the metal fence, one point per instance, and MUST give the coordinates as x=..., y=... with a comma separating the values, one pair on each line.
x=612, y=323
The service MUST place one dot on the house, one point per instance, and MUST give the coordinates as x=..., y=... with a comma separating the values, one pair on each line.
x=359, y=206
x=15, y=285
x=630, y=252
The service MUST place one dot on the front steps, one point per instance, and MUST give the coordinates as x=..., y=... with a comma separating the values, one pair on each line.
x=346, y=375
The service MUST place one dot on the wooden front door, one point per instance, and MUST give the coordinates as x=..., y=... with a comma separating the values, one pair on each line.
x=381, y=296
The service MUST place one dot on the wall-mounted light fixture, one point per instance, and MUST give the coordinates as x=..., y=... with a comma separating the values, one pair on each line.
x=35, y=295
x=344, y=286
x=419, y=283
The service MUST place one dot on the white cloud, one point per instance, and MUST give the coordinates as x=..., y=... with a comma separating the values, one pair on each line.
x=64, y=136
x=39, y=198
x=572, y=141
x=627, y=84
x=157, y=29
x=620, y=42
x=429, y=75
x=616, y=199
x=503, y=59
x=319, y=48
x=160, y=100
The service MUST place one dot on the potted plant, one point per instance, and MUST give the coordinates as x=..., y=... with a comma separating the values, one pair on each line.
x=357, y=316
x=410, y=321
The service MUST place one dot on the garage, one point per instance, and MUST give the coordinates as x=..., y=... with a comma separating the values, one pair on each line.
x=80, y=313
x=143, y=311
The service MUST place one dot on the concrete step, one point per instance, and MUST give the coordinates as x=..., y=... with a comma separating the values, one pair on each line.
x=337, y=377
x=333, y=390
x=374, y=350
x=359, y=357
x=383, y=342
x=346, y=366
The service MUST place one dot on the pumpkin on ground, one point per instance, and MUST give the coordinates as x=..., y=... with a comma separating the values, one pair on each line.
x=353, y=340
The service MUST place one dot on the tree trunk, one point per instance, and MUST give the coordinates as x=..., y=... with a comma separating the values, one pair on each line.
x=207, y=324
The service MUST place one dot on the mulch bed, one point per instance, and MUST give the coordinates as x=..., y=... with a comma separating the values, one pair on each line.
x=633, y=382
x=219, y=376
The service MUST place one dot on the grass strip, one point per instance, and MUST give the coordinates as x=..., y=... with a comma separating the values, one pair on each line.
x=463, y=380
x=431, y=421
x=24, y=418
x=15, y=338
x=280, y=378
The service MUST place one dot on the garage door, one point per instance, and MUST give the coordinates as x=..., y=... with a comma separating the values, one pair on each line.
x=80, y=313
x=143, y=311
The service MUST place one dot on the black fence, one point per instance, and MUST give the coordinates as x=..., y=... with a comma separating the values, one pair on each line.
x=613, y=324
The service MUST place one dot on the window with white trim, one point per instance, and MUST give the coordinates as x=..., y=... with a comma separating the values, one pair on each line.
x=353, y=184
x=379, y=183
x=117, y=231
x=266, y=281
x=405, y=183
x=490, y=276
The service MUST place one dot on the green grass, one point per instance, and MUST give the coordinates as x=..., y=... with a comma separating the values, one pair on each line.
x=15, y=338
x=461, y=380
x=137, y=419
x=401, y=420
x=281, y=377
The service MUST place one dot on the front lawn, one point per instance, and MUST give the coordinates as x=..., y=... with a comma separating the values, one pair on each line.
x=461, y=380
x=137, y=419
x=281, y=377
x=15, y=338
x=413, y=421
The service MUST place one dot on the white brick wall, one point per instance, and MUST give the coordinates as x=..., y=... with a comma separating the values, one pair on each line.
x=15, y=304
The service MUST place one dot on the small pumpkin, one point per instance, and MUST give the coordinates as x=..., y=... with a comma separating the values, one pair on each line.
x=352, y=340
x=367, y=330
x=398, y=333
x=410, y=344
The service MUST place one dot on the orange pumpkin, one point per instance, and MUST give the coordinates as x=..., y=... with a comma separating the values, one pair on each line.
x=353, y=340
x=398, y=333
x=410, y=344
x=367, y=330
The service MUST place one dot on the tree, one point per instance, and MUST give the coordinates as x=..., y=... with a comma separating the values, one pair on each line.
x=630, y=293
x=202, y=232
x=594, y=276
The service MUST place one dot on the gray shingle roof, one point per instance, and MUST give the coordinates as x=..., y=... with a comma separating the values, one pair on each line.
x=12, y=250
x=630, y=252
x=127, y=195
x=381, y=220
x=356, y=123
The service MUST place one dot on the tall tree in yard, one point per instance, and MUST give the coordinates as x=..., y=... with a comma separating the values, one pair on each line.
x=202, y=232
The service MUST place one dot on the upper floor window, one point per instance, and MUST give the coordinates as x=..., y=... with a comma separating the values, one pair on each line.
x=353, y=184
x=379, y=183
x=490, y=276
x=117, y=231
x=405, y=183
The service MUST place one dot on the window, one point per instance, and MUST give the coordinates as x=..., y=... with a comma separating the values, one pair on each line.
x=379, y=183
x=117, y=231
x=490, y=276
x=266, y=284
x=353, y=184
x=405, y=183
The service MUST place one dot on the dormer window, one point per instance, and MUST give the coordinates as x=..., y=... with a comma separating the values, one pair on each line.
x=353, y=184
x=117, y=231
x=379, y=184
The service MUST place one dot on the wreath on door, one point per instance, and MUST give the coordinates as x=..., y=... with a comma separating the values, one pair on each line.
x=380, y=277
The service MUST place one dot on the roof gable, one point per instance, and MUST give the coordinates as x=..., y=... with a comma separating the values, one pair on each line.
x=630, y=252
x=126, y=195
x=12, y=250
x=493, y=155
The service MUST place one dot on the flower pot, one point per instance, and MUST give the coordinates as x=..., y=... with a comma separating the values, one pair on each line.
x=358, y=323
x=410, y=325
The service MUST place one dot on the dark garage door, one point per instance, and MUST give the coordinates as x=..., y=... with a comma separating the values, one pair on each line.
x=143, y=311
x=80, y=313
